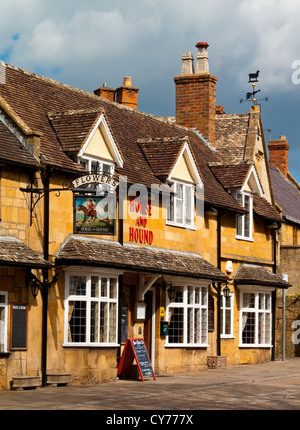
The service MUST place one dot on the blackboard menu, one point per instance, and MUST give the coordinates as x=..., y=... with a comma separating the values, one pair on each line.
x=19, y=325
x=142, y=357
x=135, y=349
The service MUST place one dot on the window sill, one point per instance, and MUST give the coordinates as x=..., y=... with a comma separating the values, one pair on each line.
x=255, y=346
x=186, y=345
x=174, y=224
x=247, y=239
x=5, y=354
x=90, y=345
x=229, y=336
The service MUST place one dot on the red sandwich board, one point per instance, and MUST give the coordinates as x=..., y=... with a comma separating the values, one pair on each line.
x=135, y=349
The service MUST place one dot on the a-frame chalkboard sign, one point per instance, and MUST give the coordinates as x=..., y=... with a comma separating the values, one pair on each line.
x=135, y=349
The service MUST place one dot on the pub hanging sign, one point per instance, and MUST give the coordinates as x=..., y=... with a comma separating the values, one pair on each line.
x=95, y=178
x=95, y=204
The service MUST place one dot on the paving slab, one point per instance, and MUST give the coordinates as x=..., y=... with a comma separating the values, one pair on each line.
x=271, y=386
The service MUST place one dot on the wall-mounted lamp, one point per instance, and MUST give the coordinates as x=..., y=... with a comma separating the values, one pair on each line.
x=171, y=292
x=35, y=284
x=226, y=291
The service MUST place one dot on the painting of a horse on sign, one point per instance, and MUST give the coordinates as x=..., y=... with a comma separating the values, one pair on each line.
x=94, y=215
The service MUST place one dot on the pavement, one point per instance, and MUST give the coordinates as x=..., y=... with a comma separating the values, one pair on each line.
x=269, y=386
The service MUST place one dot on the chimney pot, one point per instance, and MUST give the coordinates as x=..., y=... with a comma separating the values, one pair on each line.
x=127, y=81
x=127, y=93
x=187, y=64
x=202, y=58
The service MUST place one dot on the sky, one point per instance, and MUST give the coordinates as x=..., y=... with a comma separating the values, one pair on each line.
x=86, y=44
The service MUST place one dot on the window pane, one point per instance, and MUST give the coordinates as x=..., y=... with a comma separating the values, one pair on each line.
x=247, y=225
x=103, y=287
x=190, y=295
x=268, y=328
x=170, y=207
x=113, y=288
x=77, y=285
x=239, y=225
x=190, y=328
x=248, y=334
x=261, y=328
x=106, y=169
x=204, y=296
x=94, y=286
x=261, y=301
x=94, y=322
x=176, y=326
x=188, y=205
x=112, y=322
x=2, y=329
x=248, y=300
x=204, y=326
x=178, y=295
x=227, y=321
x=179, y=203
x=77, y=321
x=268, y=302
x=103, y=322
x=197, y=295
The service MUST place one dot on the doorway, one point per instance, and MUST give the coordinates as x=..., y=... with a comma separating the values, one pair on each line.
x=149, y=326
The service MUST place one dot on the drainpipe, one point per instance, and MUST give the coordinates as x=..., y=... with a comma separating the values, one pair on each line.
x=218, y=287
x=45, y=285
x=274, y=236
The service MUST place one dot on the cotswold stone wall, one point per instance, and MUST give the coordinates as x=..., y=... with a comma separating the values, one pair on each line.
x=292, y=326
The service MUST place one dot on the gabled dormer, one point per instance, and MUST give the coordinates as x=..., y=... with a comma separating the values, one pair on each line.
x=86, y=136
x=242, y=182
x=172, y=160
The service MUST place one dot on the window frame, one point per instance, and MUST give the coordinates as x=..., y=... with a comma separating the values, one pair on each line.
x=89, y=299
x=172, y=208
x=256, y=311
x=5, y=322
x=223, y=316
x=90, y=160
x=242, y=217
x=185, y=305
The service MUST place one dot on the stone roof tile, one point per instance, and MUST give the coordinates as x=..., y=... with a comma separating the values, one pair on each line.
x=79, y=250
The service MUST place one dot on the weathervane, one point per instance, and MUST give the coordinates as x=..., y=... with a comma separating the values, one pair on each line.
x=250, y=96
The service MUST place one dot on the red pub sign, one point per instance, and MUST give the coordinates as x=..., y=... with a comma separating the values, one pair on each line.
x=139, y=233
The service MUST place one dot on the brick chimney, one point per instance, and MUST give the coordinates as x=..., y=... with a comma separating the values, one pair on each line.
x=127, y=94
x=196, y=94
x=279, y=154
x=105, y=92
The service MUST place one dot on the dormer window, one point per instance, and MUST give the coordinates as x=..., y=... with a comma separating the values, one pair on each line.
x=180, y=210
x=93, y=165
x=244, y=222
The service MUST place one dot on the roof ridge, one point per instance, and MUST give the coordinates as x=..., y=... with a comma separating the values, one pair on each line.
x=75, y=112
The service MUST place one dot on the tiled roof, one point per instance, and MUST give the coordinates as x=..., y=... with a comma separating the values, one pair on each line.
x=286, y=196
x=161, y=154
x=73, y=127
x=33, y=98
x=265, y=210
x=231, y=136
x=12, y=150
x=83, y=251
x=231, y=175
x=16, y=253
x=252, y=274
